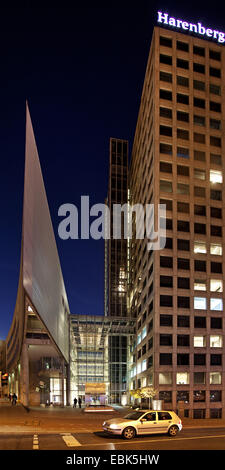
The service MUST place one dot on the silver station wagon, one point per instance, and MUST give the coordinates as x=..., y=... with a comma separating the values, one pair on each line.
x=144, y=422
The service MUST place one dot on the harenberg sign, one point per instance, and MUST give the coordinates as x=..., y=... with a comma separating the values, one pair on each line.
x=164, y=18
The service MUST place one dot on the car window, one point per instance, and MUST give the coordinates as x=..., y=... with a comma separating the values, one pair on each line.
x=162, y=415
x=150, y=416
x=133, y=416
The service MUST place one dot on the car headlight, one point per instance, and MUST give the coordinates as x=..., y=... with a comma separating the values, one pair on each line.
x=113, y=426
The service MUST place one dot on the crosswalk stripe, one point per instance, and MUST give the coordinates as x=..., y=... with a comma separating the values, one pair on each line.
x=70, y=440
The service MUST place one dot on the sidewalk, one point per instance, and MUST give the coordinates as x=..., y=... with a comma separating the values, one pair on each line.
x=16, y=419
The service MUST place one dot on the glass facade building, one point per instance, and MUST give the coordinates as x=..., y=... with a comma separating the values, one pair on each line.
x=99, y=353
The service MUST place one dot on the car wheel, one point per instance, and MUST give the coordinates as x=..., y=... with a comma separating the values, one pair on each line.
x=173, y=431
x=129, y=433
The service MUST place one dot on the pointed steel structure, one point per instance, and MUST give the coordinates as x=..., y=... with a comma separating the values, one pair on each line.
x=39, y=333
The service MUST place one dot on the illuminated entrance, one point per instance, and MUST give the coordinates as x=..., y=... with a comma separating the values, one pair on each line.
x=95, y=394
x=99, y=358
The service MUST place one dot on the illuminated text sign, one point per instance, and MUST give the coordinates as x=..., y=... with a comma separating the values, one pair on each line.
x=164, y=18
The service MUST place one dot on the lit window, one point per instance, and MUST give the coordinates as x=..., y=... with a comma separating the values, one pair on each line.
x=216, y=304
x=144, y=381
x=183, y=378
x=215, y=378
x=216, y=176
x=199, y=284
x=165, y=378
x=200, y=303
x=139, y=368
x=144, y=365
x=199, y=342
x=139, y=338
x=216, y=285
x=216, y=341
x=200, y=247
x=216, y=249
x=144, y=333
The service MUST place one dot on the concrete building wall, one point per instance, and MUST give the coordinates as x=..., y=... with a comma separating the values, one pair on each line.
x=179, y=141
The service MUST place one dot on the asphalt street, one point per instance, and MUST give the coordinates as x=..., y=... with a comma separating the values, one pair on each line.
x=187, y=439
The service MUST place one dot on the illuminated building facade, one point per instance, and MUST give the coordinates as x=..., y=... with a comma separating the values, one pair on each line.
x=97, y=342
x=50, y=355
x=177, y=294
x=2, y=368
x=116, y=277
x=164, y=319
x=37, y=345
x=116, y=249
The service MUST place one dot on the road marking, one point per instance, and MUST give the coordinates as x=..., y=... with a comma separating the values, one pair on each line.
x=154, y=440
x=35, y=442
x=70, y=440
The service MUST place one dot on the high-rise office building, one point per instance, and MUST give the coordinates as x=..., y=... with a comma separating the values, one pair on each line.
x=116, y=249
x=177, y=294
x=116, y=277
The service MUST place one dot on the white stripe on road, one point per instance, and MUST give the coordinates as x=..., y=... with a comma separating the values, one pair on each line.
x=70, y=440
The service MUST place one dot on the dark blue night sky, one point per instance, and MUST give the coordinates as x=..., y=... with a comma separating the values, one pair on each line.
x=81, y=70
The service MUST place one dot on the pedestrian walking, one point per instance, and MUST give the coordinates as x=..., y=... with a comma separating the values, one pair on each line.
x=79, y=401
x=74, y=403
x=14, y=399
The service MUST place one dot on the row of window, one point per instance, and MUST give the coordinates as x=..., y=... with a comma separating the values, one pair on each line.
x=184, y=152
x=184, y=135
x=184, y=99
x=183, y=378
x=215, y=285
x=184, y=207
x=184, y=263
x=199, y=247
x=183, y=321
x=184, y=359
x=215, y=176
x=199, y=396
x=199, y=191
x=200, y=303
x=184, y=64
x=184, y=226
x=185, y=82
x=185, y=117
x=184, y=46
x=215, y=341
